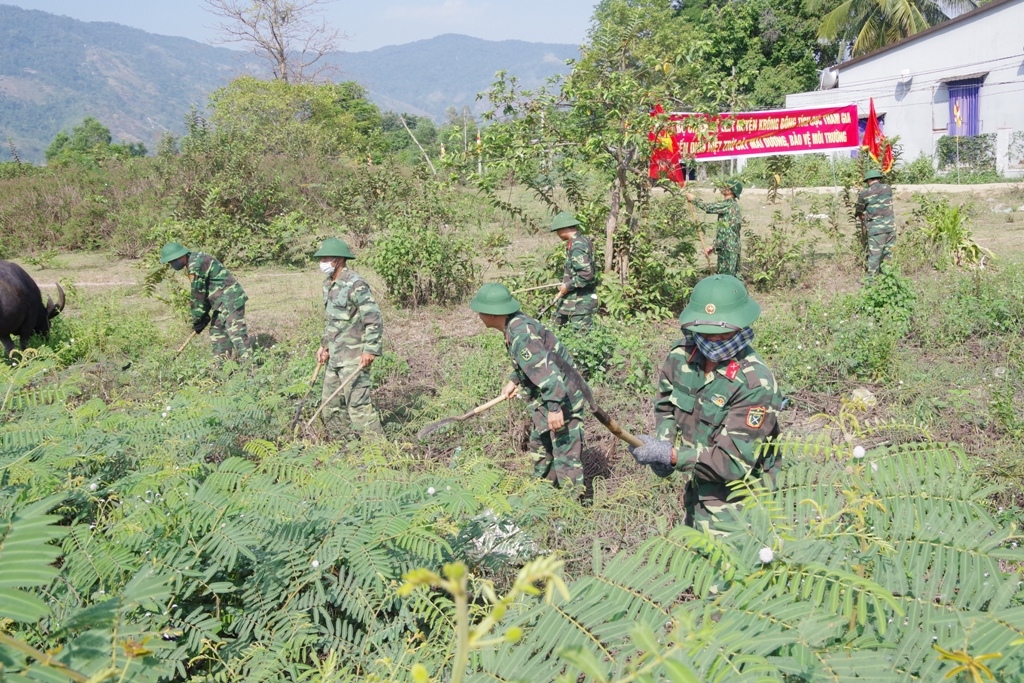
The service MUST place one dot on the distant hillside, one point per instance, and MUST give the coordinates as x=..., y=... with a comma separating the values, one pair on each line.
x=428, y=76
x=55, y=71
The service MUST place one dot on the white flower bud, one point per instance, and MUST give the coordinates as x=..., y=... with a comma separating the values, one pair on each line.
x=766, y=555
x=93, y=486
x=315, y=563
x=859, y=452
x=431, y=491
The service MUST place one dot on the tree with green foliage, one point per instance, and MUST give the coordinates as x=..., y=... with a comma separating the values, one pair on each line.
x=297, y=119
x=599, y=120
x=640, y=54
x=867, y=25
x=89, y=143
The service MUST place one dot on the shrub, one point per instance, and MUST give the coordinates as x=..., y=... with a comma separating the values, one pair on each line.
x=945, y=227
x=977, y=152
x=420, y=264
x=780, y=258
x=918, y=172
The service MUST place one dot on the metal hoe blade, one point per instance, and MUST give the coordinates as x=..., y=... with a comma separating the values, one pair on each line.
x=434, y=426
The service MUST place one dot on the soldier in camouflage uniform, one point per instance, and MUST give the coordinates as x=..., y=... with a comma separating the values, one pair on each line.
x=544, y=369
x=716, y=403
x=730, y=221
x=874, y=208
x=576, y=300
x=352, y=340
x=217, y=299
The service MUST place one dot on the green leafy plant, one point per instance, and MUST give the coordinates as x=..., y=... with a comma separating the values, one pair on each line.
x=780, y=258
x=977, y=152
x=946, y=227
x=844, y=566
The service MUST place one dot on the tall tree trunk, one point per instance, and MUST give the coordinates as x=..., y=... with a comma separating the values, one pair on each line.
x=627, y=219
x=610, y=226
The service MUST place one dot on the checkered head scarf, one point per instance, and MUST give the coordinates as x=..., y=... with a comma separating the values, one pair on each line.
x=724, y=350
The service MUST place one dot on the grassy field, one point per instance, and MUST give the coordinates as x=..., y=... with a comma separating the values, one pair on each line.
x=942, y=387
x=190, y=469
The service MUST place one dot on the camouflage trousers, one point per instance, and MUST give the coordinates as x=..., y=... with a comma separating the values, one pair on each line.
x=351, y=410
x=880, y=246
x=705, y=500
x=727, y=248
x=577, y=310
x=228, y=333
x=558, y=457
x=728, y=261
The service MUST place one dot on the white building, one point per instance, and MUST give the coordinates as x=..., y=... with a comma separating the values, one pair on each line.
x=973, y=63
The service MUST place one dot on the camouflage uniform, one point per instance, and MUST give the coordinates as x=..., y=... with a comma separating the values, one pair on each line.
x=354, y=326
x=727, y=239
x=216, y=293
x=874, y=206
x=545, y=370
x=580, y=278
x=716, y=422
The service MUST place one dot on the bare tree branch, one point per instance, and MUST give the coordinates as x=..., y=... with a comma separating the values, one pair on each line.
x=287, y=34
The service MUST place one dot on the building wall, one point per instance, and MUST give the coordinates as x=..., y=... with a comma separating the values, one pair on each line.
x=908, y=83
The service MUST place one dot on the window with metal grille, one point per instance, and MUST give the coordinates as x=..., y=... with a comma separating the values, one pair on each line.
x=963, y=107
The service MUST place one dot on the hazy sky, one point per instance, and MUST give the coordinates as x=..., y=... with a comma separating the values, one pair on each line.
x=369, y=24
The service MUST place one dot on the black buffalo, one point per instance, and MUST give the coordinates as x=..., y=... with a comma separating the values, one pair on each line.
x=21, y=306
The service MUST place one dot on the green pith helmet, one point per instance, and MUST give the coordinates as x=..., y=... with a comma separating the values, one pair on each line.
x=332, y=248
x=872, y=173
x=719, y=304
x=734, y=185
x=171, y=251
x=563, y=220
x=494, y=299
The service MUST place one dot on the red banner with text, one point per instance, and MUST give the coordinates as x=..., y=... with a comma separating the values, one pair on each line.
x=781, y=131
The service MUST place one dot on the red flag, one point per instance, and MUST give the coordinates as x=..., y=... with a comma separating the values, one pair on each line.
x=875, y=141
x=664, y=153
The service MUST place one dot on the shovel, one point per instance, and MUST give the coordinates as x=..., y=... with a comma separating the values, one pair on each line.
x=298, y=412
x=336, y=392
x=434, y=426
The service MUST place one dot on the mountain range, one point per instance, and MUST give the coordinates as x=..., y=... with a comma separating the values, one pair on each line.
x=55, y=71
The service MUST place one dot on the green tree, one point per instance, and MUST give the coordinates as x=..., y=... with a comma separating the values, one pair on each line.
x=599, y=119
x=89, y=143
x=760, y=49
x=867, y=25
x=297, y=119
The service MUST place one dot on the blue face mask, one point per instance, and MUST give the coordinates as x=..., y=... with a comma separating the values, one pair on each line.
x=724, y=350
x=178, y=264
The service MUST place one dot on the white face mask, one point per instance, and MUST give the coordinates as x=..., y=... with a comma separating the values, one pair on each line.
x=326, y=267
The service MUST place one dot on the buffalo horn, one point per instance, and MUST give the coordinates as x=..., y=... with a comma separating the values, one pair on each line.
x=54, y=310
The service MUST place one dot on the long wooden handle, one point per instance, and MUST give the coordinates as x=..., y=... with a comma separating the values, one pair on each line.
x=316, y=372
x=305, y=397
x=182, y=347
x=612, y=426
x=534, y=289
x=481, y=408
x=336, y=392
x=704, y=247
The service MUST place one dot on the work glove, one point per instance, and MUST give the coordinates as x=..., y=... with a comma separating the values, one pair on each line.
x=654, y=452
x=200, y=325
x=662, y=470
